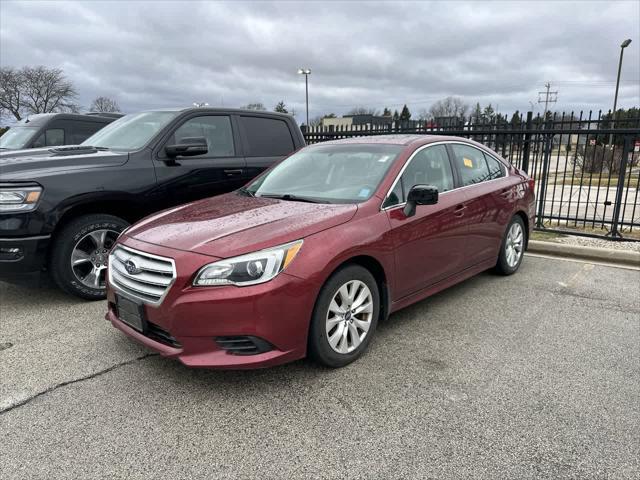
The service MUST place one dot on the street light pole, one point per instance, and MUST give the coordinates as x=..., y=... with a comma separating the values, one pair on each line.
x=623, y=45
x=306, y=72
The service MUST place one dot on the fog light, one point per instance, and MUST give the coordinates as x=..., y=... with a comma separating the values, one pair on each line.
x=11, y=253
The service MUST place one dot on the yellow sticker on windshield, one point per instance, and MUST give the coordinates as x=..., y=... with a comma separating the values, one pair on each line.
x=468, y=162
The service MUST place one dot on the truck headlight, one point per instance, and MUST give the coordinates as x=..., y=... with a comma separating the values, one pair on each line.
x=250, y=269
x=19, y=199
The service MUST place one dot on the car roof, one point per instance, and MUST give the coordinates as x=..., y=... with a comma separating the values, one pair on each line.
x=397, y=139
x=220, y=110
x=40, y=119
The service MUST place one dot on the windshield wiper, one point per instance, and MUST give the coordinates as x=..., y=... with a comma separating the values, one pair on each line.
x=245, y=192
x=293, y=198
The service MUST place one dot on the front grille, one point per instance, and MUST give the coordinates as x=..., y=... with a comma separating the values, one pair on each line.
x=160, y=335
x=243, y=345
x=149, y=281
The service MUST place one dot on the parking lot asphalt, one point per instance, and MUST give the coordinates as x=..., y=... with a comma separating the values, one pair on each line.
x=531, y=376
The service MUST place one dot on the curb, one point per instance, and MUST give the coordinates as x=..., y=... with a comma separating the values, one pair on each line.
x=609, y=255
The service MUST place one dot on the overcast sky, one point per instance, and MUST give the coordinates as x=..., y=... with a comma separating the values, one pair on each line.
x=157, y=54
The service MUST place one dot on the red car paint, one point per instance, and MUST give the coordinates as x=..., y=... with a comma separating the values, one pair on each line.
x=414, y=257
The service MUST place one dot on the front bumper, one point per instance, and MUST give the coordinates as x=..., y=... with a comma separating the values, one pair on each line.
x=23, y=255
x=277, y=312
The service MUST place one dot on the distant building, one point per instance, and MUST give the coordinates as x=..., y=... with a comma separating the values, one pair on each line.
x=348, y=121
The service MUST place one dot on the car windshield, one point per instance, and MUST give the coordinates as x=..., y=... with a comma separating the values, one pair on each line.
x=348, y=173
x=17, y=137
x=130, y=132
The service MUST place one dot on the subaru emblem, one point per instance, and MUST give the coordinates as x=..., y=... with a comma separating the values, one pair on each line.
x=131, y=267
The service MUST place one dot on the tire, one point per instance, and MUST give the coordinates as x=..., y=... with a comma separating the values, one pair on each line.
x=326, y=322
x=79, y=240
x=512, y=247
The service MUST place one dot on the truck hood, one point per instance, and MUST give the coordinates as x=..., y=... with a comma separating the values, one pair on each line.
x=30, y=164
x=232, y=224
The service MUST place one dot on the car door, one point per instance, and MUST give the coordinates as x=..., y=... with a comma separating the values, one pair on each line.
x=220, y=170
x=488, y=200
x=267, y=140
x=429, y=246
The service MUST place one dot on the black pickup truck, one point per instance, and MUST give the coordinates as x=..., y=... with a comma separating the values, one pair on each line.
x=62, y=208
x=53, y=129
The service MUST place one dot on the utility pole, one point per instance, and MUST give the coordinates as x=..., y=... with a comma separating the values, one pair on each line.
x=548, y=98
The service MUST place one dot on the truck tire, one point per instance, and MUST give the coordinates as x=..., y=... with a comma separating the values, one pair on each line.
x=80, y=252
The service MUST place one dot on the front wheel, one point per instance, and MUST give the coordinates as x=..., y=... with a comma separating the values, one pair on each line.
x=512, y=248
x=80, y=254
x=345, y=317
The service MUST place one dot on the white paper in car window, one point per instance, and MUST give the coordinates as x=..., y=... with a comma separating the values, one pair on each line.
x=384, y=158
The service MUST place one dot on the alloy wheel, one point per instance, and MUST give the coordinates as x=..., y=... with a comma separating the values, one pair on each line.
x=349, y=316
x=514, y=244
x=90, y=255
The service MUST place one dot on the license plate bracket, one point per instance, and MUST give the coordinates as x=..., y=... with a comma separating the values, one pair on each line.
x=131, y=313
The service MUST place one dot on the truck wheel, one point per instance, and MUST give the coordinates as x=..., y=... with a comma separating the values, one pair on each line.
x=80, y=252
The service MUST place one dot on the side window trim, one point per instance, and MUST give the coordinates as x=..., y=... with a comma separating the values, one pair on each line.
x=398, y=178
x=457, y=184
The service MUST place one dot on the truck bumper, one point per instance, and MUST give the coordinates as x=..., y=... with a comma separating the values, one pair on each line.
x=23, y=255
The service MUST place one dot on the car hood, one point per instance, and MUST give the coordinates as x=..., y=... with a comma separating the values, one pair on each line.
x=33, y=163
x=232, y=224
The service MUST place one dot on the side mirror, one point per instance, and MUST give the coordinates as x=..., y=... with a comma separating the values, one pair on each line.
x=188, y=147
x=420, y=195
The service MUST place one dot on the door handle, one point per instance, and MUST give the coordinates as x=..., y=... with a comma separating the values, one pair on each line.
x=506, y=192
x=459, y=210
x=233, y=173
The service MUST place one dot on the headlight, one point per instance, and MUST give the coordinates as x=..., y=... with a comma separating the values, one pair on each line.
x=250, y=269
x=19, y=199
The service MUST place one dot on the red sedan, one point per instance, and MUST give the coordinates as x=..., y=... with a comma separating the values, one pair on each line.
x=308, y=257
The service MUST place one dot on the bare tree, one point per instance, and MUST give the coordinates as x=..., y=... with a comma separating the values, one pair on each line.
x=47, y=90
x=104, y=105
x=10, y=92
x=449, y=107
x=363, y=111
x=36, y=90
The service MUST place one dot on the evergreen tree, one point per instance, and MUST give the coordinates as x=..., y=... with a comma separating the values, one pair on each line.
x=405, y=115
x=281, y=107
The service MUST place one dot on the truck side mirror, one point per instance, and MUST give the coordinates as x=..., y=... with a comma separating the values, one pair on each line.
x=188, y=147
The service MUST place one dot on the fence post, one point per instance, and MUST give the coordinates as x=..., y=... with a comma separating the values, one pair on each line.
x=626, y=149
x=543, y=179
x=527, y=142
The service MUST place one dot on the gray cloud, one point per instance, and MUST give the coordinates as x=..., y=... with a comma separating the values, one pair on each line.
x=159, y=54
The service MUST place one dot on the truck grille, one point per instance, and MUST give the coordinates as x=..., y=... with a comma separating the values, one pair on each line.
x=141, y=275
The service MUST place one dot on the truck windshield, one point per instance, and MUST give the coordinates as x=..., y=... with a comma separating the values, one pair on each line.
x=130, y=132
x=17, y=137
x=328, y=173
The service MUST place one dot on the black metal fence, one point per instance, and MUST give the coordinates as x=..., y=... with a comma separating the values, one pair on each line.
x=586, y=168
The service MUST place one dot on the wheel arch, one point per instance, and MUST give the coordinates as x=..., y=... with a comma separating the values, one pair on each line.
x=376, y=268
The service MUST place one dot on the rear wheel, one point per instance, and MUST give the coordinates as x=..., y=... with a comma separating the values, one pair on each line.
x=80, y=254
x=512, y=248
x=345, y=317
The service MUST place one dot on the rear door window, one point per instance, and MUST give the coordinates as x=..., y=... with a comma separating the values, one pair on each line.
x=471, y=164
x=267, y=137
x=78, y=132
